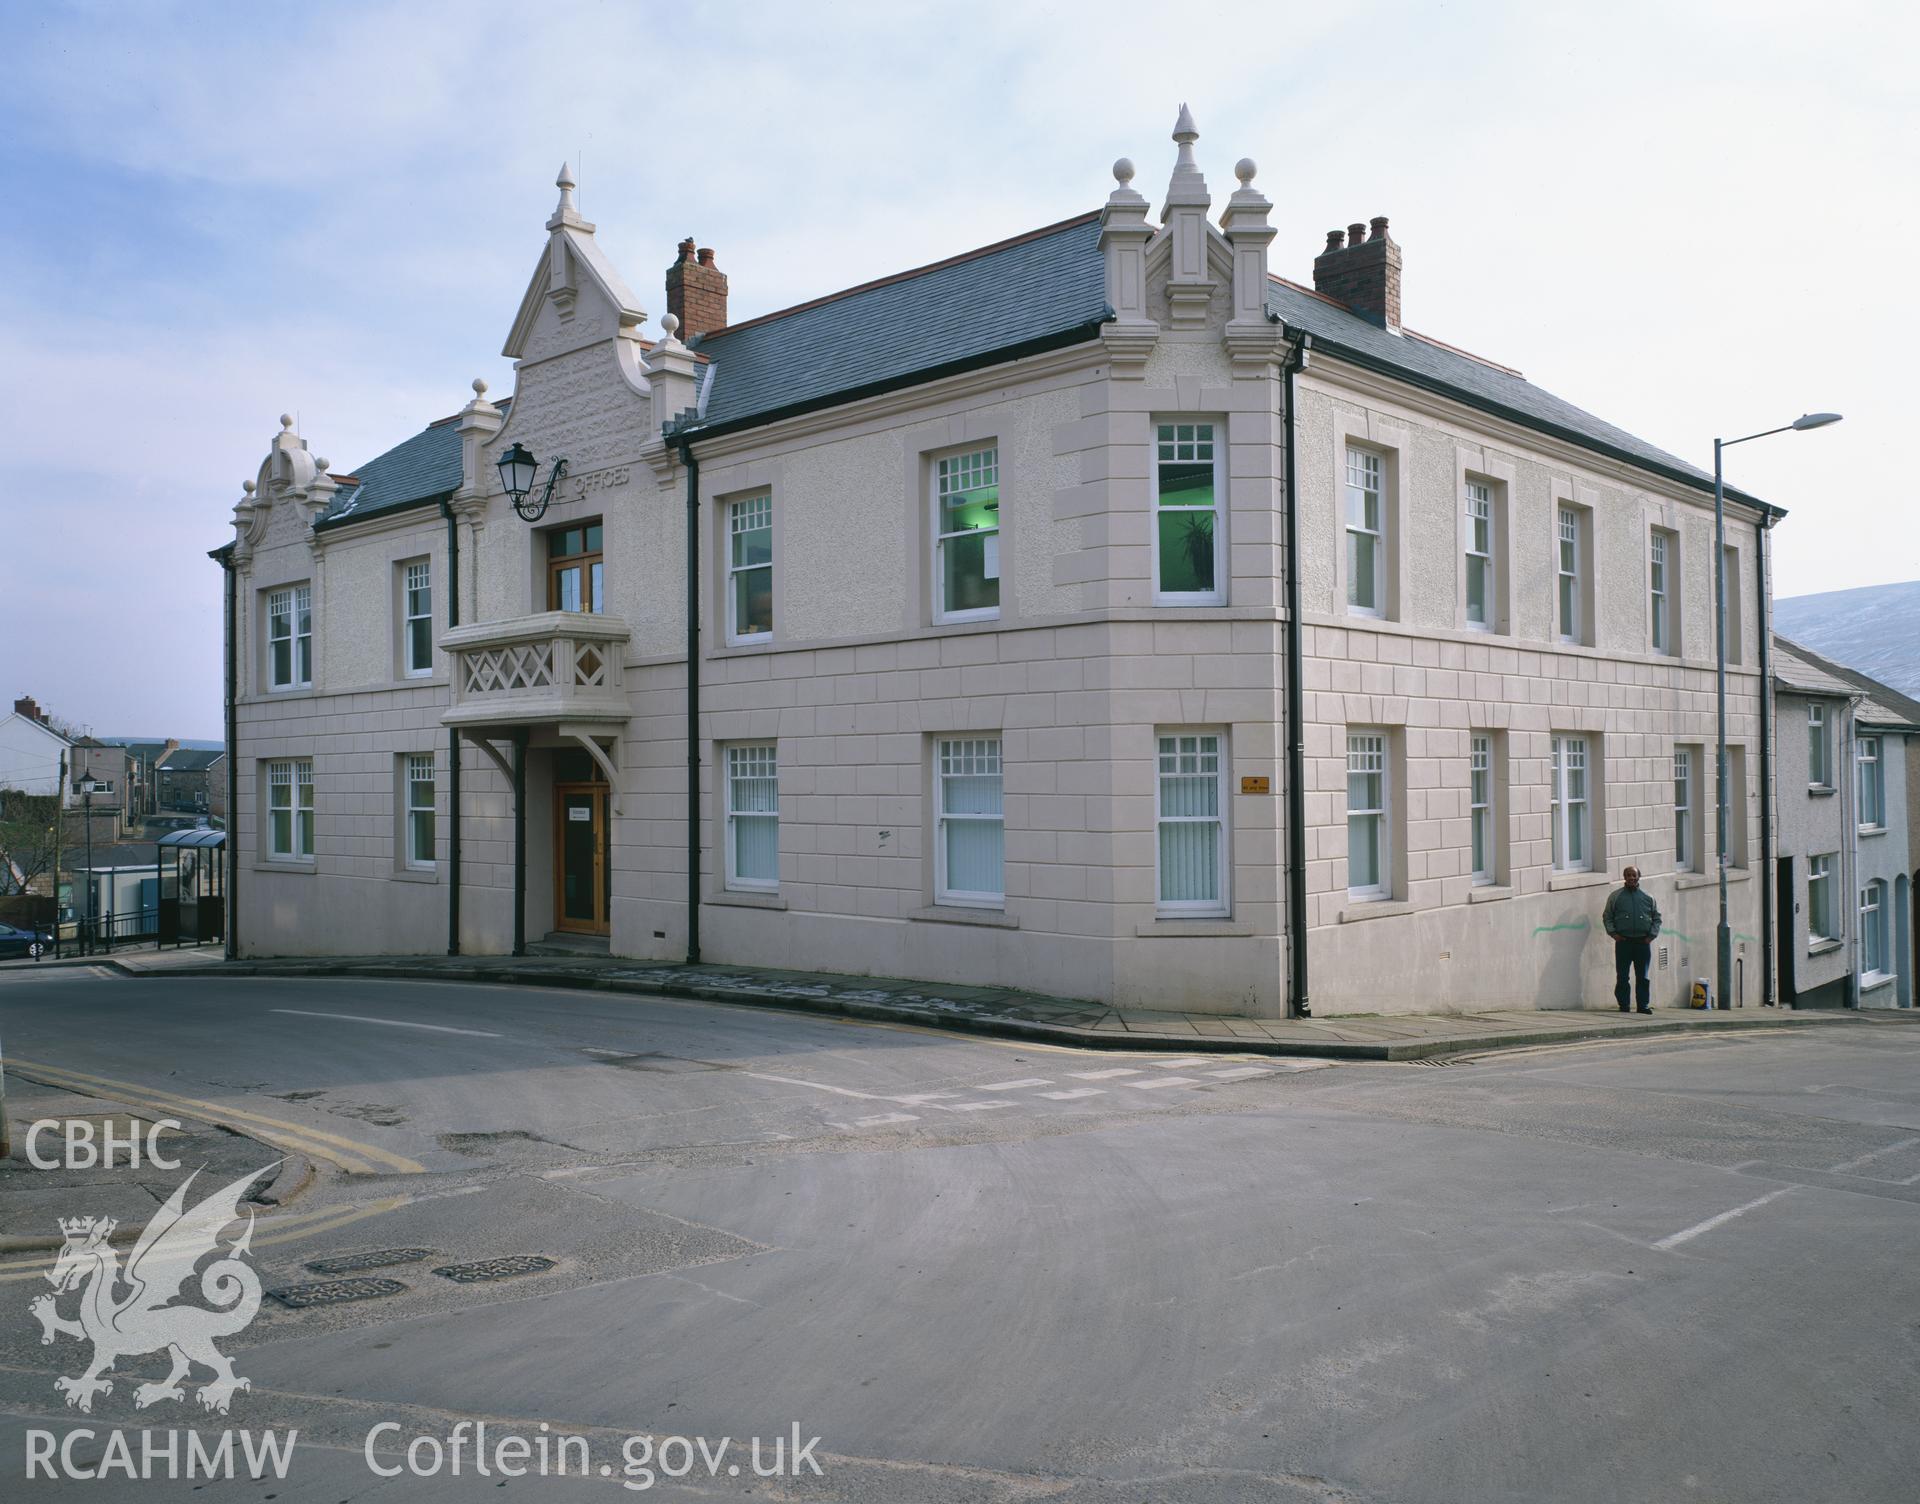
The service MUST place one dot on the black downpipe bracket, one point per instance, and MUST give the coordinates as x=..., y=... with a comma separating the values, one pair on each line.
x=453, y=742
x=520, y=843
x=693, y=700
x=1766, y=885
x=1299, y=999
x=232, y=913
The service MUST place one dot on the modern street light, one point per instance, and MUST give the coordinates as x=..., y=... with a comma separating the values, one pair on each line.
x=1723, y=977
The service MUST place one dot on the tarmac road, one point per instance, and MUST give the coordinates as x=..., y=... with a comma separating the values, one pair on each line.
x=992, y=1271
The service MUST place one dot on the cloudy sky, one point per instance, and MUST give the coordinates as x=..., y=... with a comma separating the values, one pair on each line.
x=1691, y=218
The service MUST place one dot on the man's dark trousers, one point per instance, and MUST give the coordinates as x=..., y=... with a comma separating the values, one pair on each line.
x=1635, y=956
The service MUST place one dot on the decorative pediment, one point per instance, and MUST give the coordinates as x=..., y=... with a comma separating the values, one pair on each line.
x=1205, y=298
x=575, y=296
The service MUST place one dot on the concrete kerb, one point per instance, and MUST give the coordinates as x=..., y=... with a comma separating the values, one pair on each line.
x=997, y=1025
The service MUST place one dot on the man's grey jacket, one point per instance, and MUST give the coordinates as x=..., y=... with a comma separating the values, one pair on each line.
x=1631, y=914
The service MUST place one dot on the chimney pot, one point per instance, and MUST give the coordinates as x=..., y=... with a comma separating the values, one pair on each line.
x=696, y=291
x=1335, y=240
x=1364, y=275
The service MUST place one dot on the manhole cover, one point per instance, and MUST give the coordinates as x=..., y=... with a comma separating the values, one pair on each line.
x=380, y=1258
x=336, y=1292
x=486, y=1269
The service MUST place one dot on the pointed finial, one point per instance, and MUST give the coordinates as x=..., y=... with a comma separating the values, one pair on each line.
x=479, y=386
x=564, y=182
x=286, y=420
x=1183, y=128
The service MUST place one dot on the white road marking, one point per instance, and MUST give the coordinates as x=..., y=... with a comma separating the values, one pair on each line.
x=842, y=1091
x=1185, y=1062
x=1101, y=1075
x=922, y=1098
x=1018, y=1085
x=977, y=1106
x=391, y=1023
x=1854, y=1164
x=1077, y=1092
x=881, y=1119
x=1163, y=1081
x=1240, y=1073
x=1674, y=1240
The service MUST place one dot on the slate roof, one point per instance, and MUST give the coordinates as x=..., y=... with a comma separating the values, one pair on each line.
x=188, y=760
x=1043, y=287
x=1805, y=671
x=1034, y=292
x=424, y=469
x=1414, y=357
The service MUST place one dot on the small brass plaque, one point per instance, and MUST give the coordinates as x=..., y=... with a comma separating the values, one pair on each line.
x=1255, y=786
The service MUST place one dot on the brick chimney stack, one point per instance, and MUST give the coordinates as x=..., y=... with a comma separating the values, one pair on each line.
x=25, y=706
x=1364, y=273
x=696, y=291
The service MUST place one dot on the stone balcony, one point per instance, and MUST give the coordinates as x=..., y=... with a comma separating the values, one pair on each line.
x=559, y=666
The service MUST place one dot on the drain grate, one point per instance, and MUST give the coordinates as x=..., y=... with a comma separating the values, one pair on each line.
x=336, y=1292
x=489, y=1269
x=380, y=1258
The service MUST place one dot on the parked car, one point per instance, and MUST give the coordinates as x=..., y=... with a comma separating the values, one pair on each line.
x=16, y=942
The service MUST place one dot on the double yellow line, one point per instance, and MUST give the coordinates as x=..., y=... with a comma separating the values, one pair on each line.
x=347, y=1154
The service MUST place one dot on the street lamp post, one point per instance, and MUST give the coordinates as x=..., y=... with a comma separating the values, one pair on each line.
x=1723, y=970
x=86, y=798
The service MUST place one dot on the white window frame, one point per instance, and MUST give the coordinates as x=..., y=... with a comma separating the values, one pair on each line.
x=416, y=589
x=1819, y=749
x=1481, y=795
x=1660, y=603
x=1873, y=932
x=1167, y=434
x=295, y=775
x=293, y=605
x=1571, y=754
x=751, y=760
x=1871, y=788
x=1567, y=576
x=1482, y=546
x=1181, y=744
x=966, y=751
x=1821, y=924
x=416, y=770
x=981, y=459
x=1366, y=477
x=1368, y=753
x=1685, y=858
x=746, y=514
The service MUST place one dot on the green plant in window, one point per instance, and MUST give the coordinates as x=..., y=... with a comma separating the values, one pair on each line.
x=1196, y=542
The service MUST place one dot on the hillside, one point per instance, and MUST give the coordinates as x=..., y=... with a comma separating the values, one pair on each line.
x=1875, y=629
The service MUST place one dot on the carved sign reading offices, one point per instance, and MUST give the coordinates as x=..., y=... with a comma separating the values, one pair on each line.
x=580, y=487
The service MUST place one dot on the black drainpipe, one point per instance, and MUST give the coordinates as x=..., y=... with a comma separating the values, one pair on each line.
x=233, y=768
x=693, y=699
x=1765, y=875
x=1299, y=1003
x=453, y=739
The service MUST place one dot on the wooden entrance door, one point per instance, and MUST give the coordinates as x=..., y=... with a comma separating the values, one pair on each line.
x=580, y=867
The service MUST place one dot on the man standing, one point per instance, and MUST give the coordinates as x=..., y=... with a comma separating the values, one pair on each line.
x=1632, y=918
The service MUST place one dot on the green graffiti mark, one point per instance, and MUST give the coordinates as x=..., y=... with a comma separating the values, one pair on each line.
x=1754, y=938
x=1548, y=929
x=1679, y=935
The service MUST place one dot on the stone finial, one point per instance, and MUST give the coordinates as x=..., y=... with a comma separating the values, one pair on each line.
x=480, y=386
x=286, y=420
x=565, y=183
x=1187, y=187
x=249, y=486
x=1244, y=170
x=322, y=465
x=1123, y=171
x=669, y=324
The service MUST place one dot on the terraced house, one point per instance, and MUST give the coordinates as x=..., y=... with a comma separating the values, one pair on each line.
x=1096, y=612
